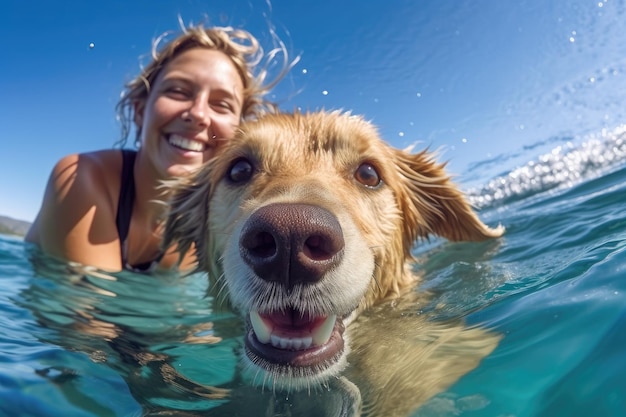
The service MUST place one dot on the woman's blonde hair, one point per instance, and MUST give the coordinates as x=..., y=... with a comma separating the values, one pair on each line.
x=240, y=46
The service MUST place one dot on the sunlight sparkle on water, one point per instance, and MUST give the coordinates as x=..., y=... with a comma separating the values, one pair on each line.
x=563, y=165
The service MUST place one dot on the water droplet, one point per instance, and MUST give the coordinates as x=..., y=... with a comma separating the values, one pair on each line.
x=92, y=45
x=325, y=92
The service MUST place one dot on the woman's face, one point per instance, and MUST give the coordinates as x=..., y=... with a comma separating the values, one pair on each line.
x=194, y=103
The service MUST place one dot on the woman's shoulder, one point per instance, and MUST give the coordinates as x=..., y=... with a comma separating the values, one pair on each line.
x=77, y=216
x=90, y=162
x=91, y=172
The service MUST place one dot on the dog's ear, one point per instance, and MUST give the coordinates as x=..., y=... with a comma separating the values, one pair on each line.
x=432, y=204
x=186, y=223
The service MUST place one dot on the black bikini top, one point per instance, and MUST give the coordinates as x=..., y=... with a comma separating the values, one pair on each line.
x=125, y=212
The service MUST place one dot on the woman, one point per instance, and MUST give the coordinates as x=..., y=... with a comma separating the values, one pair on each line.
x=105, y=208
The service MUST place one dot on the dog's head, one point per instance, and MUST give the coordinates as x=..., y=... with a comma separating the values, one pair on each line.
x=303, y=220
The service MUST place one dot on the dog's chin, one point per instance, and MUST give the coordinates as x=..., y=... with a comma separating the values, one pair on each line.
x=296, y=359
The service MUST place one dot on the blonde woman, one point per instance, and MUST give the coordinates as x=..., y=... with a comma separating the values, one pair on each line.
x=104, y=208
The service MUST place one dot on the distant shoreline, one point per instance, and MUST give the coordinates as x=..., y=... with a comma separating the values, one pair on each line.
x=11, y=226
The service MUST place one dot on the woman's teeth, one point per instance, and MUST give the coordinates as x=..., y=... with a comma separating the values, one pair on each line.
x=185, y=144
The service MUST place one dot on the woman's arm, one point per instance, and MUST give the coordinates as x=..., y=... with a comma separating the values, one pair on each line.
x=76, y=221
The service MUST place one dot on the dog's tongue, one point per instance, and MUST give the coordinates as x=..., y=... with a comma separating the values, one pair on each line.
x=292, y=329
x=291, y=319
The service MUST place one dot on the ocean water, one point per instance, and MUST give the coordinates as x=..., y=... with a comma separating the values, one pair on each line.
x=77, y=342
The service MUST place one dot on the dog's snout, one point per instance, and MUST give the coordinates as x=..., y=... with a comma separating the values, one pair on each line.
x=291, y=243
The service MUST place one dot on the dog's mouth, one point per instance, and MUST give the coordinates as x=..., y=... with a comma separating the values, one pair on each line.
x=295, y=339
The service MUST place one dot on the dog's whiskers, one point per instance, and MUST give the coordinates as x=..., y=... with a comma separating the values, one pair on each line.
x=375, y=277
x=222, y=286
x=263, y=379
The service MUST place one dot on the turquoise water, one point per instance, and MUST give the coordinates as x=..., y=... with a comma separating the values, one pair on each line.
x=76, y=342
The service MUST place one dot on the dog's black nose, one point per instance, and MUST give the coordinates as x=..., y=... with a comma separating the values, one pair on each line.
x=291, y=243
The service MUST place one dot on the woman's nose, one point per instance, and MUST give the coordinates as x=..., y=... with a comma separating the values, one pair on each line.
x=198, y=113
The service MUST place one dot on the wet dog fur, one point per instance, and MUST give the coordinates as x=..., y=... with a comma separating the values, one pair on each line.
x=310, y=218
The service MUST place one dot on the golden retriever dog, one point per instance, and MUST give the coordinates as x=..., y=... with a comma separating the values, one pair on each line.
x=305, y=224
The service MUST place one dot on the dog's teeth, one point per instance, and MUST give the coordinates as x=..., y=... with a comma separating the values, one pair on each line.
x=306, y=342
x=291, y=343
x=264, y=334
x=280, y=342
x=302, y=343
x=322, y=334
x=296, y=344
x=261, y=330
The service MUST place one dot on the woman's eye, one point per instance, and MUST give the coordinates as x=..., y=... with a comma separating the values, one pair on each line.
x=367, y=175
x=177, y=93
x=240, y=171
x=222, y=106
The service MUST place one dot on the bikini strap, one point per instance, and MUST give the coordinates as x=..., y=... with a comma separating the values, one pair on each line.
x=126, y=200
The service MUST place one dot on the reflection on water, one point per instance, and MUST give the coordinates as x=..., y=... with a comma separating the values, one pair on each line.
x=177, y=352
x=158, y=332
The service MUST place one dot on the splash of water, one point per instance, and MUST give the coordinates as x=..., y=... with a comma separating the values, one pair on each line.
x=564, y=166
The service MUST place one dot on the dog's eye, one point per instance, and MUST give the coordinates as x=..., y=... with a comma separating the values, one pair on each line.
x=367, y=175
x=240, y=171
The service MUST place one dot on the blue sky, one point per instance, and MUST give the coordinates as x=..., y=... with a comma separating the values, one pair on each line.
x=477, y=79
